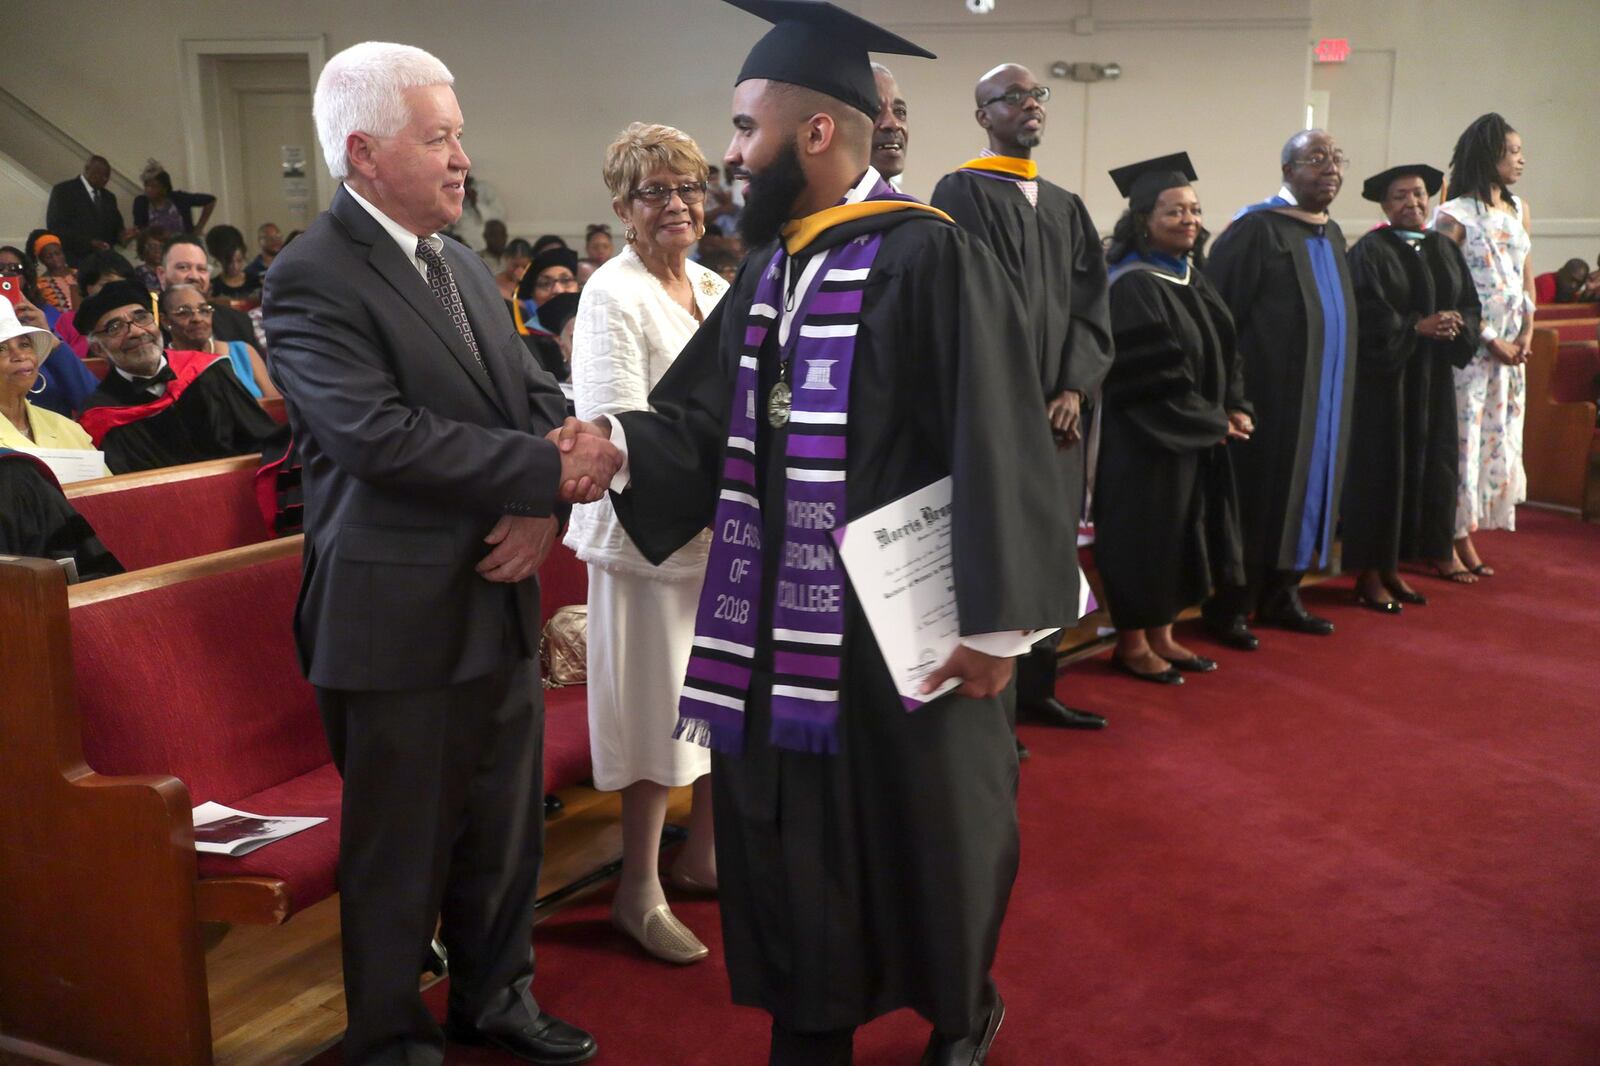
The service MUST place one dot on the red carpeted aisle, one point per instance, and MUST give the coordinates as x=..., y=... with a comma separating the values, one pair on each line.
x=1379, y=847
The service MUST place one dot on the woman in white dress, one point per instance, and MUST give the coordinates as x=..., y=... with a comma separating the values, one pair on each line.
x=635, y=315
x=1491, y=226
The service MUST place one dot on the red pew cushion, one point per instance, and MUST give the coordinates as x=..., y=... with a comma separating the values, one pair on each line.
x=162, y=523
x=305, y=862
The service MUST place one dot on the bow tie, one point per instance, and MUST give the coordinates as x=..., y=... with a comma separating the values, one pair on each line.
x=161, y=376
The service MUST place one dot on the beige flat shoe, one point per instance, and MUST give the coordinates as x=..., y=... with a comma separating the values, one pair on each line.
x=661, y=934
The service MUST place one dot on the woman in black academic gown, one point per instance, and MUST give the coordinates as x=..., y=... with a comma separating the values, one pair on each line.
x=1418, y=313
x=1165, y=510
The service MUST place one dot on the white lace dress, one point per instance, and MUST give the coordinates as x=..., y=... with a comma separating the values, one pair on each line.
x=641, y=617
x=1491, y=398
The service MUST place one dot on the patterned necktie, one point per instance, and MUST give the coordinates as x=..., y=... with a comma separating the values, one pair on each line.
x=443, y=284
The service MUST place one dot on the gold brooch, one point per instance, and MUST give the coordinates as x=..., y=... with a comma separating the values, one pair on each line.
x=708, y=286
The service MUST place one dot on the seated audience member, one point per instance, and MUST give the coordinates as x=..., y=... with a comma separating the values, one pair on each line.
x=552, y=271
x=26, y=426
x=171, y=209
x=585, y=271
x=1567, y=285
x=722, y=208
x=183, y=262
x=229, y=285
x=495, y=241
x=479, y=206
x=552, y=345
x=597, y=244
x=270, y=242
x=514, y=262
x=158, y=408
x=186, y=315
x=57, y=282
x=151, y=242
x=37, y=521
x=65, y=385
x=547, y=241
x=100, y=269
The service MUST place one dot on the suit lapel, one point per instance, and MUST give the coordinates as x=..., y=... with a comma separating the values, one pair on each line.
x=391, y=263
x=490, y=328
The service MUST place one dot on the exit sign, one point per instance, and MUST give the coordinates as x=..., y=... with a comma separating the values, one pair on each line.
x=1333, y=50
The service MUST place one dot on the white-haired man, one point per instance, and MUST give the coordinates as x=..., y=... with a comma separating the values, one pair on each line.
x=431, y=498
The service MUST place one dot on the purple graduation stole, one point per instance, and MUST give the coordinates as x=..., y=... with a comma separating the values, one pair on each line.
x=808, y=617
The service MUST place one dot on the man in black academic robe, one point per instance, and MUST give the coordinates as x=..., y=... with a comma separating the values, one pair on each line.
x=1419, y=316
x=875, y=877
x=158, y=408
x=1280, y=266
x=1045, y=239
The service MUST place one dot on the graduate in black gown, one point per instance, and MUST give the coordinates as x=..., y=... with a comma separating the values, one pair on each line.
x=36, y=519
x=158, y=408
x=1280, y=267
x=1047, y=242
x=865, y=857
x=1419, y=318
x=1166, y=513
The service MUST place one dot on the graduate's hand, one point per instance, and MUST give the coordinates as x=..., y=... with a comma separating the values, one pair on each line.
x=565, y=435
x=520, y=546
x=1507, y=353
x=1440, y=326
x=1240, y=426
x=1066, y=412
x=982, y=675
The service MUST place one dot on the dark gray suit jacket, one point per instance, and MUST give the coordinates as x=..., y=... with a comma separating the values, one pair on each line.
x=411, y=454
x=72, y=216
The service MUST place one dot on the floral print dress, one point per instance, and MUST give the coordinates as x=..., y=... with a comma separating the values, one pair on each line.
x=1491, y=398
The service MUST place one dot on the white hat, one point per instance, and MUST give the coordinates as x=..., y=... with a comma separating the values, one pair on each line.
x=11, y=326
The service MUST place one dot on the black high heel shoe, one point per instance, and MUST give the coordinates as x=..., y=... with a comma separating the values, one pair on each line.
x=1381, y=606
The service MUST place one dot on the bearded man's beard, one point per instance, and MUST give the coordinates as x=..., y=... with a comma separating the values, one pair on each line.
x=770, y=197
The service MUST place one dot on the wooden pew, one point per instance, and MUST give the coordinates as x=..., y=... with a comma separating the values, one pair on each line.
x=129, y=701
x=1559, y=437
x=97, y=366
x=1550, y=313
x=176, y=512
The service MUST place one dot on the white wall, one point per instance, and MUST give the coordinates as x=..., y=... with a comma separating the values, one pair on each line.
x=545, y=84
x=23, y=199
x=1451, y=62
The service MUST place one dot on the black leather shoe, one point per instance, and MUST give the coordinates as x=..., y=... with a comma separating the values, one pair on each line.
x=1023, y=754
x=1055, y=713
x=1234, y=633
x=1297, y=619
x=1169, y=676
x=1410, y=596
x=546, y=1041
x=969, y=1050
x=1381, y=606
x=1197, y=664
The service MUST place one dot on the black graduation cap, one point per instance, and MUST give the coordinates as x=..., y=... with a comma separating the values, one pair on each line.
x=116, y=295
x=821, y=47
x=1376, y=187
x=1143, y=182
x=555, y=312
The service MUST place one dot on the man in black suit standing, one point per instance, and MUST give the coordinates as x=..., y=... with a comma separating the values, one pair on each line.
x=84, y=213
x=431, y=498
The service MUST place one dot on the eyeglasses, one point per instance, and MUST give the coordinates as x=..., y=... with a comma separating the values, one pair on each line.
x=118, y=326
x=690, y=192
x=541, y=284
x=183, y=314
x=1322, y=160
x=9, y=270
x=1014, y=97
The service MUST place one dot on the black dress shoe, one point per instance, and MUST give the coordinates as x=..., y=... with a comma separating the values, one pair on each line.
x=1195, y=664
x=1381, y=606
x=1410, y=596
x=546, y=1041
x=1169, y=676
x=1234, y=633
x=1055, y=713
x=969, y=1050
x=1296, y=619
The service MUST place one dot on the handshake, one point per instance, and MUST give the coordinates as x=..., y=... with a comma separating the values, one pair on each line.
x=588, y=459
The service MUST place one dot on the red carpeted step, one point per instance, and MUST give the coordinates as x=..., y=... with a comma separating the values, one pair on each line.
x=1375, y=847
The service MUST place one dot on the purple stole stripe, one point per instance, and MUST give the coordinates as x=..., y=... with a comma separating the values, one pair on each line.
x=808, y=615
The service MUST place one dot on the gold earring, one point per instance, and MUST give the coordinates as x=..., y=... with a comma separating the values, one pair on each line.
x=628, y=234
